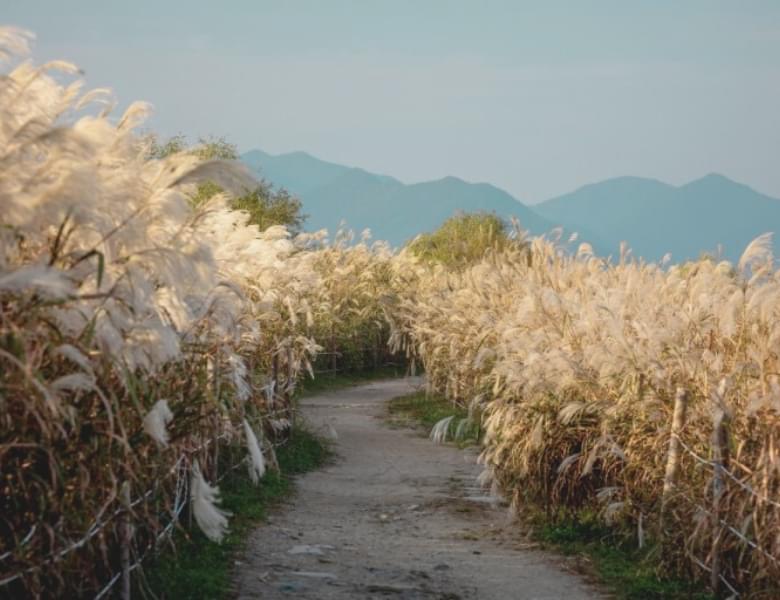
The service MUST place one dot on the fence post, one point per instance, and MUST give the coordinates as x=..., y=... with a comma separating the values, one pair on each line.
x=217, y=394
x=333, y=358
x=274, y=379
x=289, y=383
x=215, y=471
x=126, y=534
x=720, y=459
x=673, y=456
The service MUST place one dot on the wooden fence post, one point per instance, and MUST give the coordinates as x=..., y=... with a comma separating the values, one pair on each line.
x=720, y=460
x=215, y=470
x=289, y=383
x=673, y=456
x=274, y=379
x=126, y=535
x=333, y=358
x=217, y=393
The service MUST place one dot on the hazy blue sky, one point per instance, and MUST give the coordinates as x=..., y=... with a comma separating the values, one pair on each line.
x=535, y=97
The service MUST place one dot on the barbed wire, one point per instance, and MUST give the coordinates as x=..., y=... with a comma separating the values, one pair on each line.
x=180, y=502
x=714, y=466
x=99, y=523
x=739, y=534
x=699, y=563
x=178, y=508
x=722, y=522
x=726, y=472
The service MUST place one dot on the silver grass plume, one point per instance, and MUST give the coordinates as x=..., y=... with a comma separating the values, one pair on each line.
x=757, y=251
x=75, y=355
x=211, y=519
x=14, y=42
x=156, y=421
x=44, y=280
x=441, y=429
x=256, y=458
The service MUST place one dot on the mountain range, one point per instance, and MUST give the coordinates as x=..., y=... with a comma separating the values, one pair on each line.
x=713, y=214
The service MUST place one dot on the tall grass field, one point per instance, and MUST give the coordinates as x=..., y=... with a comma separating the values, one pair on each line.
x=152, y=339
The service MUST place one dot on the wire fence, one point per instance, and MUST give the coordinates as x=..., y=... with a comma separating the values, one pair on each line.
x=180, y=469
x=280, y=413
x=719, y=473
x=709, y=463
x=100, y=523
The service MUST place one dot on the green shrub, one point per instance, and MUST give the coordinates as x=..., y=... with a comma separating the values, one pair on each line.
x=463, y=240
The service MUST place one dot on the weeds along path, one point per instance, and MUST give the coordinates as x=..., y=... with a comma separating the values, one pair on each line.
x=394, y=516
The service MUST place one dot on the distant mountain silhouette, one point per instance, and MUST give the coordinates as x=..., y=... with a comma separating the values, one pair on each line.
x=394, y=211
x=713, y=214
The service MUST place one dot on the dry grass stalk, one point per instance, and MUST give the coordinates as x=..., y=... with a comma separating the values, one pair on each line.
x=136, y=328
x=575, y=363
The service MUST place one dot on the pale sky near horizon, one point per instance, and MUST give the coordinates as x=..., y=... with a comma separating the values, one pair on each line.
x=538, y=98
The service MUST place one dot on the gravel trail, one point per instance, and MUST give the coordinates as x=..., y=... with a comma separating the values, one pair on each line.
x=394, y=517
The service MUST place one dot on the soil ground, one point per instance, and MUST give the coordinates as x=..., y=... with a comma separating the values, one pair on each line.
x=394, y=516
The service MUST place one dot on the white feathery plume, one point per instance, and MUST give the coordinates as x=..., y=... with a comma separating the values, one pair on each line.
x=14, y=42
x=103, y=96
x=567, y=462
x=612, y=511
x=440, y=430
x=462, y=428
x=279, y=425
x=238, y=374
x=585, y=250
x=75, y=355
x=211, y=519
x=43, y=279
x=156, y=421
x=760, y=249
x=256, y=458
x=73, y=382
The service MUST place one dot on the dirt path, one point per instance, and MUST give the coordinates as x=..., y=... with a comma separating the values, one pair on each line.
x=394, y=516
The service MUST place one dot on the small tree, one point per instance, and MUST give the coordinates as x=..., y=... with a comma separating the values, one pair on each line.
x=174, y=145
x=266, y=206
x=463, y=239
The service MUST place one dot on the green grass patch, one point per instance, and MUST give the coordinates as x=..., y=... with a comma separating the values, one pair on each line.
x=200, y=569
x=614, y=559
x=421, y=409
x=326, y=382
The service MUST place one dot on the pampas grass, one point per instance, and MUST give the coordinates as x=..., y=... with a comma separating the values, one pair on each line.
x=256, y=458
x=156, y=422
x=117, y=289
x=441, y=429
x=573, y=363
x=212, y=520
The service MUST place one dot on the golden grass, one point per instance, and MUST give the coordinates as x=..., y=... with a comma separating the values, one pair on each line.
x=574, y=363
x=117, y=293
